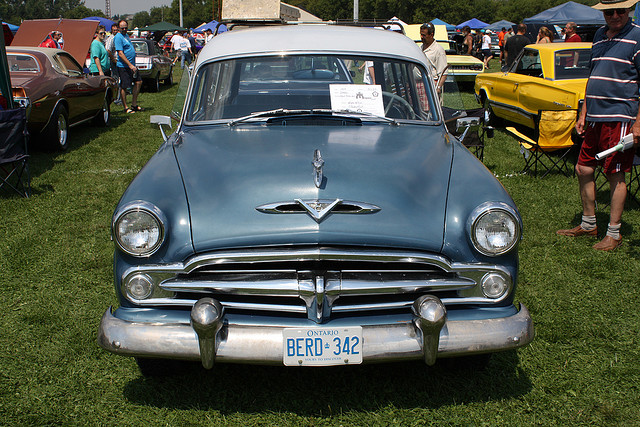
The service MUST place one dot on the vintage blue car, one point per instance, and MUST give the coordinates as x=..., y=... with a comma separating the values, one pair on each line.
x=311, y=208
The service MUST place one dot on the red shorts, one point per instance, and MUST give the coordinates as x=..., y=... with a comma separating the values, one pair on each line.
x=599, y=136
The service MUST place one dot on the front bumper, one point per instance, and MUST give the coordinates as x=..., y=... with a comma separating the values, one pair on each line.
x=147, y=74
x=425, y=335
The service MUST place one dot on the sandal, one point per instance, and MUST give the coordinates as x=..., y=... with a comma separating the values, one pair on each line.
x=137, y=108
x=130, y=111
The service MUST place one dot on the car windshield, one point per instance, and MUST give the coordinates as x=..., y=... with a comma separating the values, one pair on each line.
x=572, y=64
x=375, y=87
x=21, y=63
x=141, y=47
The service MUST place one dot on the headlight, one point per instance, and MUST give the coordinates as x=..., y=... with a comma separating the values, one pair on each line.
x=495, y=228
x=139, y=287
x=138, y=229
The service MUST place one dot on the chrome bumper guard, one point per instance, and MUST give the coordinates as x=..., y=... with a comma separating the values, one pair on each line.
x=208, y=339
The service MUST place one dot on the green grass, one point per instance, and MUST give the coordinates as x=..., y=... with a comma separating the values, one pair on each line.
x=56, y=281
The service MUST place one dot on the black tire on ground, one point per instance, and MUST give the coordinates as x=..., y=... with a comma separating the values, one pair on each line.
x=56, y=134
x=492, y=119
x=154, y=84
x=169, y=80
x=165, y=367
x=103, y=117
x=473, y=363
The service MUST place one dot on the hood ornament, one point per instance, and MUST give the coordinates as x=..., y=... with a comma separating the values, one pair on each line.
x=317, y=168
x=318, y=209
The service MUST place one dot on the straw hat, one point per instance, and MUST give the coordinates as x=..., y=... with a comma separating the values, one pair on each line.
x=614, y=4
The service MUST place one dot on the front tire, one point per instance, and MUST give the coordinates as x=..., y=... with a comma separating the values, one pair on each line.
x=492, y=119
x=154, y=85
x=103, y=117
x=154, y=368
x=56, y=134
x=169, y=80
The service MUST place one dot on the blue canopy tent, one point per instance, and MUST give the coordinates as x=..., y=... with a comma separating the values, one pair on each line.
x=437, y=21
x=498, y=26
x=211, y=25
x=587, y=19
x=103, y=21
x=474, y=24
x=569, y=11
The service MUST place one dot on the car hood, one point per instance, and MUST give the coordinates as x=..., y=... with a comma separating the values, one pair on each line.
x=230, y=171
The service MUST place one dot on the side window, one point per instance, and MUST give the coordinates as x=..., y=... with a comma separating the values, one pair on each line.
x=529, y=63
x=22, y=63
x=70, y=66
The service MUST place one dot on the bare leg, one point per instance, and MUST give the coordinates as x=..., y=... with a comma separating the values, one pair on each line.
x=587, y=189
x=123, y=98
x=136, y=91
x=618, y=196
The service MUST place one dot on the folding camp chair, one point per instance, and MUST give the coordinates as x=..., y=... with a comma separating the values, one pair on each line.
x=633, y=184
x=553, y=145
x=473, y=139
x=14, y=167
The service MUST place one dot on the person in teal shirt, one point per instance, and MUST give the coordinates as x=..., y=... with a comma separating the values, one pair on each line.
x=100, y=61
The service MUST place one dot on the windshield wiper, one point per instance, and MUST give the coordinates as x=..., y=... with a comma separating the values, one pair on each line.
x=285, y=112
x=269, y=113
x=362, y=113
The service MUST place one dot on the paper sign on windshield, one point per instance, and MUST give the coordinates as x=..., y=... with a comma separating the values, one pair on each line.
x=360, y=98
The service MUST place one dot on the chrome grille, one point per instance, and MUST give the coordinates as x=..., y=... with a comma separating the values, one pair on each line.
x=316, y=283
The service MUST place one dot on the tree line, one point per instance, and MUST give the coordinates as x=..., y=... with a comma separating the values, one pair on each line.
x=195, y=12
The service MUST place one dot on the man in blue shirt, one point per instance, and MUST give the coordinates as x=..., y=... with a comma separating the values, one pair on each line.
x=129, y=74
x=610, y=112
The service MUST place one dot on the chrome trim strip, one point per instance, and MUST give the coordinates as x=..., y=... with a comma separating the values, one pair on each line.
x=290, y=287
x=263, y=344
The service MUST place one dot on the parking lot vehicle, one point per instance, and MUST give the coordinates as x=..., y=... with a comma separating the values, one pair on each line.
x=549, y=76
x=56, y=92
x=311, y=208
x=153, y=65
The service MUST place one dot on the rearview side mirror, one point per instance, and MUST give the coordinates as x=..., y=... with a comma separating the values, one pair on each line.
x=160, y=121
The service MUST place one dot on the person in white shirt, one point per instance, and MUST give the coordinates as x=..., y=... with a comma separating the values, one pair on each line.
x=486, y=48
x=208, y=35
x=180, y=46
x=436, y=56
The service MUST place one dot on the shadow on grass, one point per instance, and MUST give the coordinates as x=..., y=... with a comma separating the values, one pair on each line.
x=332, y=390
x=42, y=158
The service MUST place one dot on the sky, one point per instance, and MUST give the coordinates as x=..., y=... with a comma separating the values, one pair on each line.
x=119, y=7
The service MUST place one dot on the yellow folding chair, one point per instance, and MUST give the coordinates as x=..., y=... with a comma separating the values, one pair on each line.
x=553, y=145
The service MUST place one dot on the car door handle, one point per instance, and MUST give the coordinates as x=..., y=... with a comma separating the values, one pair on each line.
x=516, y=84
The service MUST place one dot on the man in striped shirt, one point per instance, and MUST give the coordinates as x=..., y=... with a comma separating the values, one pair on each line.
x=610, y=112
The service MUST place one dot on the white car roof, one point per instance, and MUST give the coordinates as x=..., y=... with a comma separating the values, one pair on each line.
x=310, y=38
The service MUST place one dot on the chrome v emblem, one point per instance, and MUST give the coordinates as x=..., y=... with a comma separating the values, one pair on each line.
x=317, y=168
x=318, y=209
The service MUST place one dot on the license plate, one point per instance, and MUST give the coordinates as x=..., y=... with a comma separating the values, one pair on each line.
x=322, y=346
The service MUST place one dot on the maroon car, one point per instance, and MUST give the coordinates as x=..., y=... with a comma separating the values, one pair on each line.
x=57, y=93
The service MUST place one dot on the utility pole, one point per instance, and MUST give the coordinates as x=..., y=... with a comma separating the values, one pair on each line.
x=356, y=6
x=107, y=8
x=181, y=24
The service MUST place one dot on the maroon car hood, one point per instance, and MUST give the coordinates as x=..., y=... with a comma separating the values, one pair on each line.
x=76, y=33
